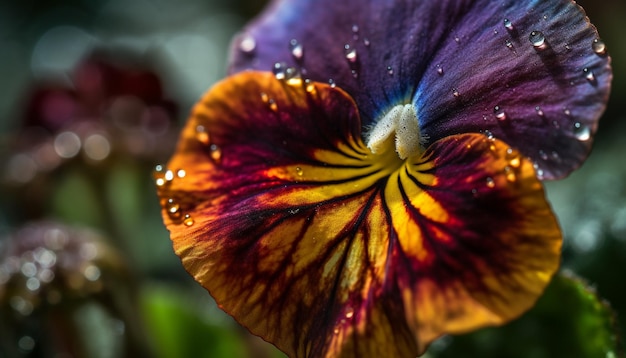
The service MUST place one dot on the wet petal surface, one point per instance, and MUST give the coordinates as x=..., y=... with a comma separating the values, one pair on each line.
x=535, y=74
x=277, y=207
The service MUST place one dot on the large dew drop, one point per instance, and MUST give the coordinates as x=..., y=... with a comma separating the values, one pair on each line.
x=508, y=24
x=296, y=49
x=598, y=47
x=247, y=44
x=581, y=132
x=537, y=39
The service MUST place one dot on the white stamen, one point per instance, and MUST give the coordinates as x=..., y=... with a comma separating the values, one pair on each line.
x=401, y=119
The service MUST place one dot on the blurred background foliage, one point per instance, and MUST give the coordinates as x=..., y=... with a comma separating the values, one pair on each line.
x=92, y=95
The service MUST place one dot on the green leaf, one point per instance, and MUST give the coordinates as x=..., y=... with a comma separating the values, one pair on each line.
x=178, y=327
x=568, y=321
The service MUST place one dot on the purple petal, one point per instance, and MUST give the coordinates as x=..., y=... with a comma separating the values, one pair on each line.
x=459, y=62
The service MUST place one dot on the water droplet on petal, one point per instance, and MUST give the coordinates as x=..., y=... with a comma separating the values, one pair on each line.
x=355, y=74
x=500, y=113
x=279, y=70
x=567, y=112
x=215, y=153
x=389, y=70
x=589, y=75
x=181, y=173
x=309, y=86
x=350, y=53
x=355, y=28
x=598, y=47
x=332, y=83
x=510, y=175
x=349, y=312
x=272, y=104
x=264, y=97
x=539, y=111
x=172, y=207
x=188, y=220
x=508, y=24
x=439, y=70
x=538, y=171
x=543, y=155
x=297, y=51
x=490, y=182
x=366, y=42
x=582, y=132
x=455, y=92
x=537, y=39
x=202, y=135
x=247, y=44
x=489, y=135
x=299, y=171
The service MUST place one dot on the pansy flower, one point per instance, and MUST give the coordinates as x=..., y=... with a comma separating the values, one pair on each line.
x=368, y=177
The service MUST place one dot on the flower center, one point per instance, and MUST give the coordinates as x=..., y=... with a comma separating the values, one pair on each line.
x=401, y=120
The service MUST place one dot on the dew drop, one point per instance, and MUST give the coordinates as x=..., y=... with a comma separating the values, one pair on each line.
x=299, y=171
x=172, y=207
x=582, y=132
x=539, y=111
x=264, y=97
x=598, y=47
x=336, y=330
x=355, y=74
x=297, y=51
x=169, y=175
x=279, y=70
x=215, y=153
x=366, y=42
x=537, y=39
x=439, y=70
x=247, y=44
x=349, y=312
x=350, y=53
x=355, y=28
x=500, y=113
x=202, y=134
x=567, y=112
x=509, y=44
x=508, y=24
x=589, y=75
x=543, y=155
x=181, y=173
x=489, y=135
x=455, y=92
x=272, y=104
x=538, y=171
x=309, y=86
x=188, y=220
x=457, y=39
x=389, y=70
x=490, y=182
x=332, y=83
x=510, y=174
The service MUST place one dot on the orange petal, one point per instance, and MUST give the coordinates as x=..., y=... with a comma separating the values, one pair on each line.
x=317, y=245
